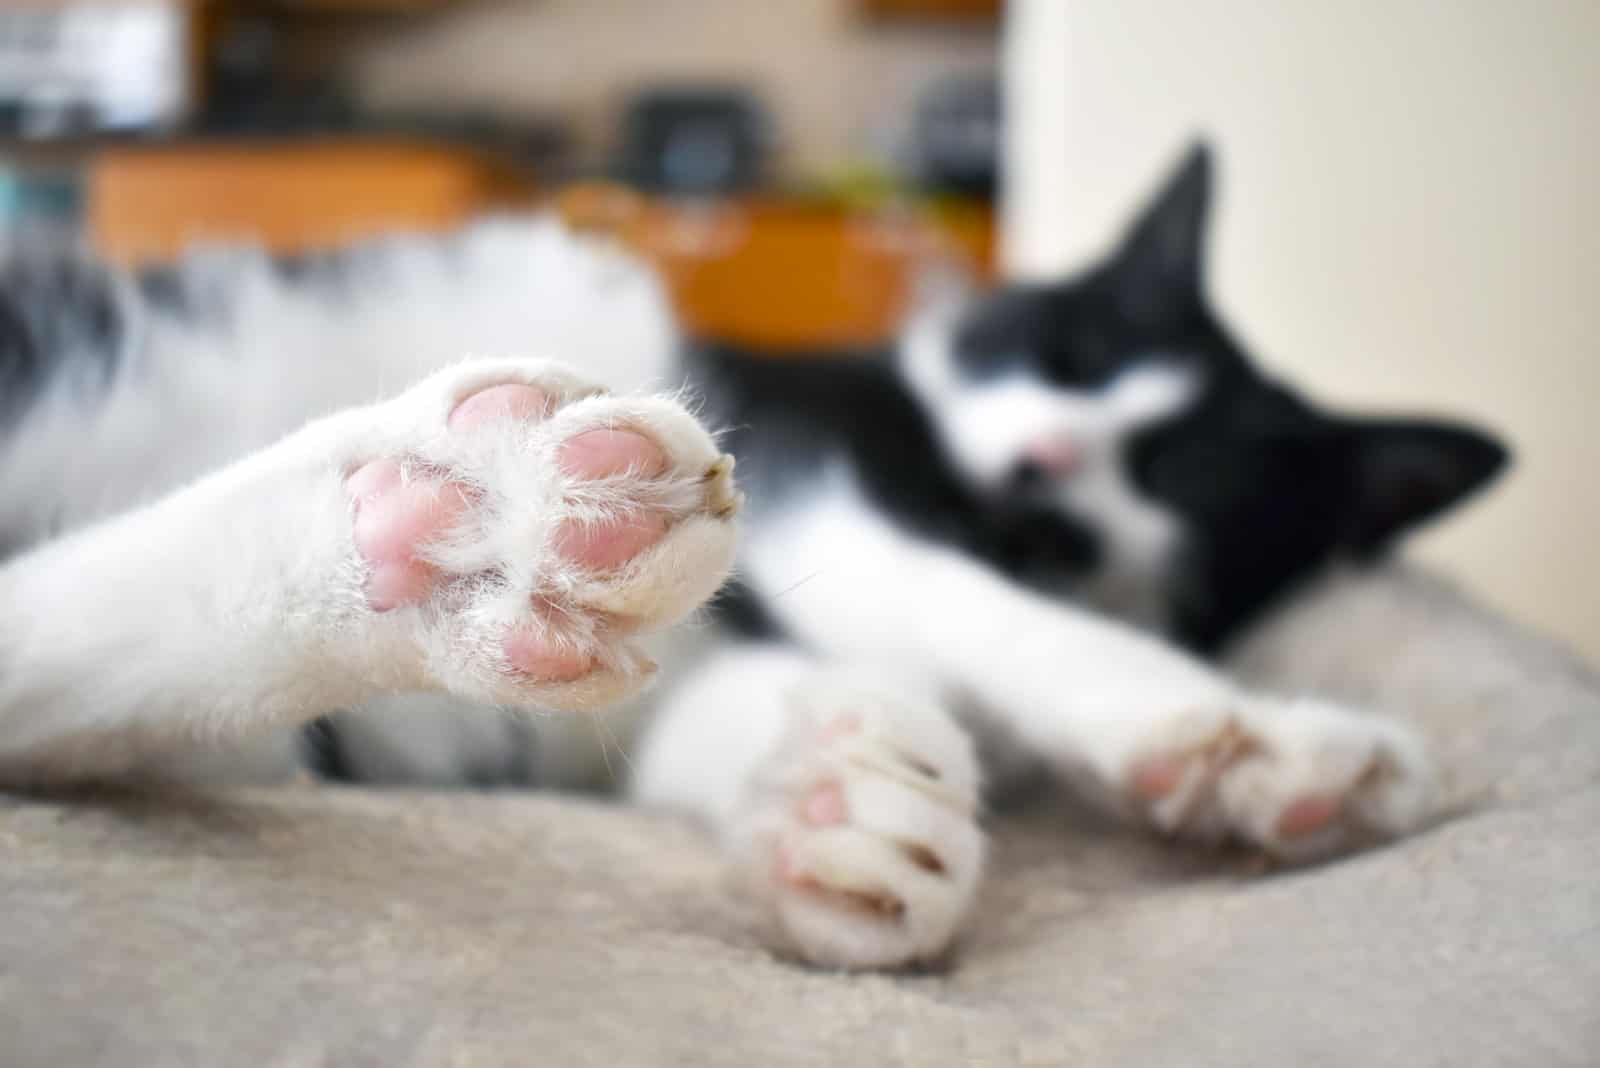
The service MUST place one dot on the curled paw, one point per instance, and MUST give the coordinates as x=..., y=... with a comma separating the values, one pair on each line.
x=862, y=839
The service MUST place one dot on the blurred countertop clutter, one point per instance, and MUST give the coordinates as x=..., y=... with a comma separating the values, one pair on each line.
x=140, y=127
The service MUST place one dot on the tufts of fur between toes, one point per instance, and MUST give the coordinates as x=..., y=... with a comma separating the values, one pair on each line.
x=500, y=569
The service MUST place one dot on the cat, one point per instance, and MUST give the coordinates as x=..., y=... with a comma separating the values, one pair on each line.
x=938, y=539
x=1019, y=530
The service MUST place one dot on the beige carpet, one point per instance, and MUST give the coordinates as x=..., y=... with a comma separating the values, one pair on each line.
x=308, y=927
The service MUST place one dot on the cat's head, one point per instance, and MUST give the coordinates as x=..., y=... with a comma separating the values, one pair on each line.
x=1116, y=398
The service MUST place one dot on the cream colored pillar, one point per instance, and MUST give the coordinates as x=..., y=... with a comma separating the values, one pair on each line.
x=1034, y=207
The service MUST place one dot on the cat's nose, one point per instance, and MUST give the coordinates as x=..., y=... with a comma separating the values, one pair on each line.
x=1053, y=455
x=1046, y=459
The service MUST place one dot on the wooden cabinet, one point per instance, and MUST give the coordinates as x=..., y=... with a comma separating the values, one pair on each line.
x=963, y=10
x=149, y=202
x=779, y=272
x=360, y=7
x=792, y=275
x=785, y=273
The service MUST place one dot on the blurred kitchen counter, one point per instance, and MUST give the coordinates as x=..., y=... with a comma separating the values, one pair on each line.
x=147, y=202
x=787, y=272
x=777, y=270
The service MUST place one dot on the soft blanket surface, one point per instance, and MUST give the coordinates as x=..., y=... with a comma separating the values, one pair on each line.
x=313, y=926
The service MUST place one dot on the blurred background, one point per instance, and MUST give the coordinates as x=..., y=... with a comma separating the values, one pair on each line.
x=1408, y=216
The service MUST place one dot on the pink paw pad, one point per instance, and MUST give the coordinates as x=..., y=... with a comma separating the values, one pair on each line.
x=392, y=518
x=599, y=454
x=396, y=516
x=1156, y=778
x=536, y=657
x=824, y=806
x=499, y=402
x=1308, y=815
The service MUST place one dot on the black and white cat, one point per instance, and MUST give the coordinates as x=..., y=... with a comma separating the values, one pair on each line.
x=939, y=538
x=1010, y=528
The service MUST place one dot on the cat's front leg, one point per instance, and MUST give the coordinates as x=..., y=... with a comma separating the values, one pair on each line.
x=1147, y=728
x=1164, y=739
x=1197, y=758
x=497, y=532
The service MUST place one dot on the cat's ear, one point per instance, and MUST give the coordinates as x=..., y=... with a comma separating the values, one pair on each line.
x=1161, y=260
x=1409, y=471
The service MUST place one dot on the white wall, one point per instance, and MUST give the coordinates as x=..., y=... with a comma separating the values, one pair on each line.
x=835, y=82
x=1409, y=219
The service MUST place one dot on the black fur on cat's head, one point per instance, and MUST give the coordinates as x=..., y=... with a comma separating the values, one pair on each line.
x=1266, y=486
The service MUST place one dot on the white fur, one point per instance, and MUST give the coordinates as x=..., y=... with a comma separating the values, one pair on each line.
x=423, y=739
x=192, y=395
x=237, y=603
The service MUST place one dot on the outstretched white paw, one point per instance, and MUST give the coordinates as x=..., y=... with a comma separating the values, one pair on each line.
x=514, y=525
x=860, y=834
x=1301, y=779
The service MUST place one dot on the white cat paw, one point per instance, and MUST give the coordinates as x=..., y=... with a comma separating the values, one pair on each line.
x=1301, y=779
x=860, y=835
x=517, y=526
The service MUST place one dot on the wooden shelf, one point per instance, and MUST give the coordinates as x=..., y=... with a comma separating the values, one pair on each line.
x=778, y=272
x=360, y=7
x=148, y=202
x=787, y=274
x=934, y=10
